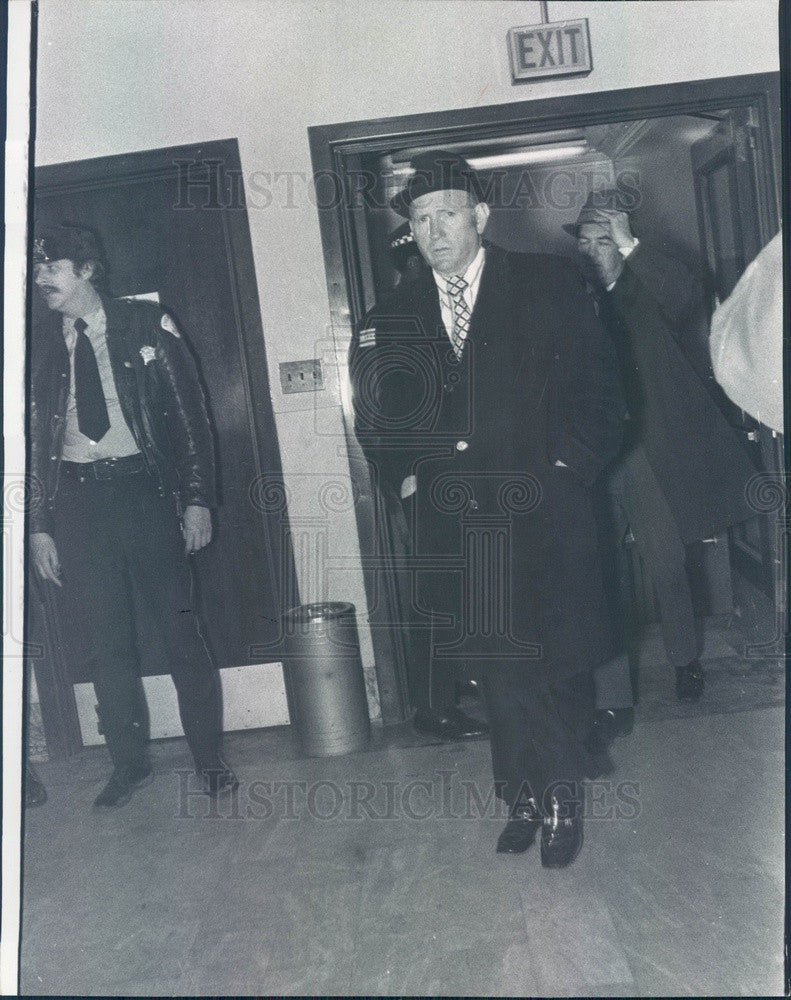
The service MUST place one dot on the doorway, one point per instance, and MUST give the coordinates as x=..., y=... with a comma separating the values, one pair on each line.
x=650, y=139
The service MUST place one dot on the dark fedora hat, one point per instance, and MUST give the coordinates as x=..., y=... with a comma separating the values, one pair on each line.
x=437, y=170
x=609, y=199
x=65, y=241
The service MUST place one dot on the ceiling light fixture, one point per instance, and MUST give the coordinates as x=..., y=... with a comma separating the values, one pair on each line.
x=523, y=157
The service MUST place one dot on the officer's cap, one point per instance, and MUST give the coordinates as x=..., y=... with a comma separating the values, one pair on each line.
x=65, y=241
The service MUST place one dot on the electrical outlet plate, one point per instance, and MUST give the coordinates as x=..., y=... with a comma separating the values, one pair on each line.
x=301, y=376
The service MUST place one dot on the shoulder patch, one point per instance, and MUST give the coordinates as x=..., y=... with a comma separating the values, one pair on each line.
x=368, y=337
x=167, y=324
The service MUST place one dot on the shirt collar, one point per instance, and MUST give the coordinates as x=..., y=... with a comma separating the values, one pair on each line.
x=95, y=323
x=94, y=320
x=470, y=275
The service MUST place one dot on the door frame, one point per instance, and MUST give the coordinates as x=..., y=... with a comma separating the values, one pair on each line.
x=54, y=683
x=336, y=150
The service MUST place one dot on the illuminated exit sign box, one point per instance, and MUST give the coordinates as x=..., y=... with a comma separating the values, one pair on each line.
x=558, y=48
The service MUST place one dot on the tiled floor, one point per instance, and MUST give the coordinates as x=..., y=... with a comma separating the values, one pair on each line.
x=352, y=877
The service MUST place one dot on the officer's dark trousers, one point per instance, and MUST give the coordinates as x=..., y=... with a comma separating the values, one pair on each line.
x=111, y=534
x=431, y=681
x=537, y=728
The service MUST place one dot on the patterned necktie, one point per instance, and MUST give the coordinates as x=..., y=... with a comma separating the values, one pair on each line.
x=461, y=313
x=92, y=416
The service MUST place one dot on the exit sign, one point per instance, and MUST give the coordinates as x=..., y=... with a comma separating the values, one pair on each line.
x=558, y=48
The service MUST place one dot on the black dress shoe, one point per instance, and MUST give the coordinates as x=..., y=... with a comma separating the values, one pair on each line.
x=434, y=723
x=123, y=781
x=561, y=835
x=608, y=724
x=35, y=792
x=689, y=681
x=449, y=724
x=521, y=829
x=217, y=778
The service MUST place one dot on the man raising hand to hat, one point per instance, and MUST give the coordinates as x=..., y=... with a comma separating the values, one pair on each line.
x=487, y=388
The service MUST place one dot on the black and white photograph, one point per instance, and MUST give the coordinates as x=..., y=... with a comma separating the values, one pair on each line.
x=395, y=498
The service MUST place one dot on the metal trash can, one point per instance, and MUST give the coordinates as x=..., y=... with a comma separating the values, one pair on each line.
x=326, y=681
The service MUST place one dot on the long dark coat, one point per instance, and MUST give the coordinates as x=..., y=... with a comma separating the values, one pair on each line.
x=659, y=321
x=505, y=538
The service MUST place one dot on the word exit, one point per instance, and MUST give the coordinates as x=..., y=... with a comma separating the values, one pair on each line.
x=559, y=48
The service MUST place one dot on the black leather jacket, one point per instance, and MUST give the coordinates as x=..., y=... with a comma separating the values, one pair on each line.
x=159, y=394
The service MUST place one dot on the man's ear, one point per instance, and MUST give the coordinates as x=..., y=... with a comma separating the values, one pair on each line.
x=481, y=211
x=86, y=270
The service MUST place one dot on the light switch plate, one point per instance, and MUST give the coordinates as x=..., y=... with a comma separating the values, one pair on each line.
x=301, y=376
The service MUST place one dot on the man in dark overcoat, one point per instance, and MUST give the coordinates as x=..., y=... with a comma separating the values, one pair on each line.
x=684, y=471
x=488, y=389
x=122, y=463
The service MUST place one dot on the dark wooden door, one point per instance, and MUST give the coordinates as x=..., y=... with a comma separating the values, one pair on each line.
x=734, y=226
x=726, y=180
x=174, y=223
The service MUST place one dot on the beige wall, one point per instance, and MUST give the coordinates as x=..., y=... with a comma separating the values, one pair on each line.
x=123, y=75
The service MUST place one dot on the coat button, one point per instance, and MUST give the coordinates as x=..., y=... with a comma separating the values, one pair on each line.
x=462, y=445
x=53, y=458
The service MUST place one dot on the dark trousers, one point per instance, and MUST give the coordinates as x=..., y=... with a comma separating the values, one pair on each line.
x=537, y=728
x=432, y=680
x=115, y=537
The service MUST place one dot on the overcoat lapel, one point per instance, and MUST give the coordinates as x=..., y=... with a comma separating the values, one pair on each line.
x=426, y=300
x=504, y=319
x=492, y=310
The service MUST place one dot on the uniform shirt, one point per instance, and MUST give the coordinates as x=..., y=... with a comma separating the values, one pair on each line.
x=118, y=441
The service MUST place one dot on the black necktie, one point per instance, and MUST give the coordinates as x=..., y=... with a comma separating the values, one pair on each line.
x=92, y=416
